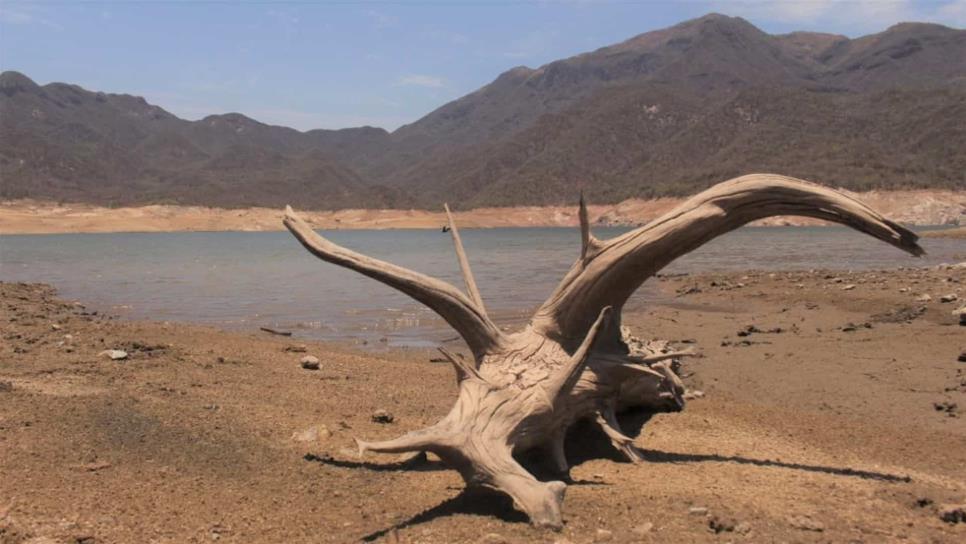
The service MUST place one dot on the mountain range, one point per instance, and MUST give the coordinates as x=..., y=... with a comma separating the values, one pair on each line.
x=667, y=112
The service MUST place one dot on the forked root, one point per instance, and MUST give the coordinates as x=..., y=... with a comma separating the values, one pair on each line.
x=523, y=390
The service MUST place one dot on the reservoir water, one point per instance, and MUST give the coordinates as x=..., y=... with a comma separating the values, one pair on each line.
x=245, y=280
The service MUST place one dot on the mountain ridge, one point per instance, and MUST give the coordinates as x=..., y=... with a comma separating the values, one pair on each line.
x=666, y=112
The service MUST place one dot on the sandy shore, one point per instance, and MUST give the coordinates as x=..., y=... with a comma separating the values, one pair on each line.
x=26, y=217
x=841, y=422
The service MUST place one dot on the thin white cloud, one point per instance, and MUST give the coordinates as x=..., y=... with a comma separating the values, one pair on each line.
x=418, y=80
x=381, y=20
x=26, y=15
x=854, y=16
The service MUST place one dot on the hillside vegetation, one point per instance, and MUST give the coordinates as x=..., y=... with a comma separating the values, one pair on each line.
x=665, y=113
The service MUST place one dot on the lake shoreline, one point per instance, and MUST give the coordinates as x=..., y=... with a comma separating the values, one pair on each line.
x=917, y=208
x=818, y=399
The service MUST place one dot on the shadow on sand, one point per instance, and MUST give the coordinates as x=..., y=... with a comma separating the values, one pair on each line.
x=584, y=443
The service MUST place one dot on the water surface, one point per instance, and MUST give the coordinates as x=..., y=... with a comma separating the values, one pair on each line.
x=250, y=279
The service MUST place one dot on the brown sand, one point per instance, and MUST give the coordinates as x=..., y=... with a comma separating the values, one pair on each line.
x=24, y=217
x=826, y=431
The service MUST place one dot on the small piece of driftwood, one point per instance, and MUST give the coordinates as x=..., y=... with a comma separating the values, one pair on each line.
x=275, y=331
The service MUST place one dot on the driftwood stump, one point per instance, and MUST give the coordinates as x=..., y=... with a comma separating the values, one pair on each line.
x=523, y=390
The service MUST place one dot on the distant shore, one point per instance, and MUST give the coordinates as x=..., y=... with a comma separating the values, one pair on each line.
x=925, y=207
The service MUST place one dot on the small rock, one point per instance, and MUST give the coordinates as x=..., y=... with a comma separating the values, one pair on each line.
x=693, y=394
x=296, y=349
x=55, y=326
x=308, y=435
x=946, y=406
x=493, y=538
x=643, y=529
x=698, y=511
x=115, y=354
x=718, y=524
x=310, y=362
x=848, y=287
x=923, y=298
x=382, y=416
x=6, y=387
x=806, y=523
x=951, y=297
x=743, y=528
x=603, y=535
x=953, y=513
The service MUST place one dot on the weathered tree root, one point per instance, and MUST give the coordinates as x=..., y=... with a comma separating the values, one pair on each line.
x=522, y=391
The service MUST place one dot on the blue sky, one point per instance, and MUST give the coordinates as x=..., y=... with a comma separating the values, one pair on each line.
x=340, y=64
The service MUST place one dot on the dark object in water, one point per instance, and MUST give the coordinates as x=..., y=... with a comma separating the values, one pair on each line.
x=445, y=228
x=273, y=331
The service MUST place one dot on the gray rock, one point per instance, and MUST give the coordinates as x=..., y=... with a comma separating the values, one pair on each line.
x=114, y=354
x=806, y=523
x=310, y=362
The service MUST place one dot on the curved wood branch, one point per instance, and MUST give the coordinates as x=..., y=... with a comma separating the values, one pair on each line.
x=461, y=313
x=609, y=276
x=468, y=279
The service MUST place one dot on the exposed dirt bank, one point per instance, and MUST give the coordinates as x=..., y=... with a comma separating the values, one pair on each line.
x=832, y=412
x=22, y=217
x=948, y=233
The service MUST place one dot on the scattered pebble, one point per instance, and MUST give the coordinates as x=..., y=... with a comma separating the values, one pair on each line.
x=951, y=297
x=382, y=416
x=923, y=298
x=848, y=287
x=806, y=523
x=962, y=357
x=698, y=511
x=603, y=535
x=719, y=524
x=312, y=434
x=301, y=348
x=114, y=354
x=643, y=529
x=310, y=362
x=6, y=387
x=961, y=312
x=493, y=538
x=693, y=394
x=953, y=513
x=948, y=407
x=851, y=327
